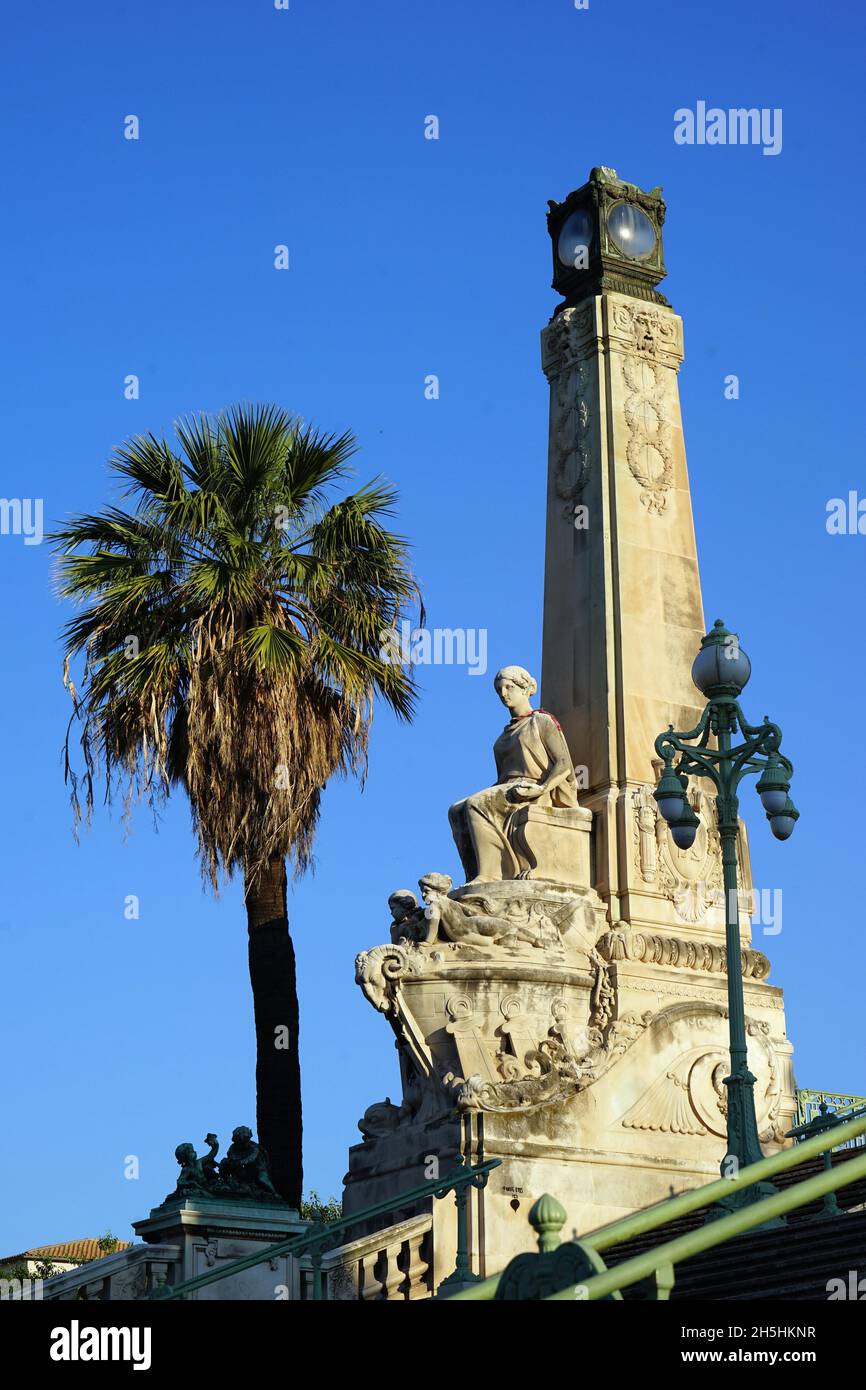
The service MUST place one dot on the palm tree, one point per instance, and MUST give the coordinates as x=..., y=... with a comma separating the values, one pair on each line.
x=232, y=633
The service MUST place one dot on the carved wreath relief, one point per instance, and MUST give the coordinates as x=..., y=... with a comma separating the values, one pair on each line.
x=691, y=879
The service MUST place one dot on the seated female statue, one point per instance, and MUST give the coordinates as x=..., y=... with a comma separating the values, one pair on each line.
x=533, y=766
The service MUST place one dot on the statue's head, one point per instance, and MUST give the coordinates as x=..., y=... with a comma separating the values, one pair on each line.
x=241, y=1135
x=435, y=886
x=402, y=903
x=514, y=685
x=185, y=1154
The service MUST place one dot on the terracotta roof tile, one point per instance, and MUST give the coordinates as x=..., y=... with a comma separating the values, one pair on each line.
x=81, y=1250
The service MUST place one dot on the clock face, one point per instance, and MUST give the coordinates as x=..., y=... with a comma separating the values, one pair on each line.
x=572, y=247
x=631, y=231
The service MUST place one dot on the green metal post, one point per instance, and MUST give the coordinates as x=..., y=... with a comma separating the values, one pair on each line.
x=720, y=671
x=462, y=1273
x=825, y=1120
x=831, y=1206
x=462, y=1268
x=744, y=1147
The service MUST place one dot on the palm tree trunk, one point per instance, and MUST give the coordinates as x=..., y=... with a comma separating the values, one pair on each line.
x=275, y=1002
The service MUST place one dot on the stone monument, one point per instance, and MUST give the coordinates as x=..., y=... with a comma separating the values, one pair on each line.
x=564, y=1009
x=219, y=1212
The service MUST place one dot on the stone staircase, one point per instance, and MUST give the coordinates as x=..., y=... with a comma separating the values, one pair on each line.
x=788, y=1263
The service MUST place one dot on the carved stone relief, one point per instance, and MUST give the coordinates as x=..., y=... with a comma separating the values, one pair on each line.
x=691, y=1098
x=567, y=338
x=645, y=817
x=658, y=949
x=570, y=437
x=649, y=441
x=546, y=1073
x=693, y=991
x=652, y=334
x=380, y=968
x=691, y=879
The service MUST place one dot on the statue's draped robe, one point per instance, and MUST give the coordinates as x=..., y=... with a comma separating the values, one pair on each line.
x=521, y=755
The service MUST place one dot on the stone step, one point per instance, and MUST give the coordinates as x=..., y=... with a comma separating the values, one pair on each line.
x=793, y=1262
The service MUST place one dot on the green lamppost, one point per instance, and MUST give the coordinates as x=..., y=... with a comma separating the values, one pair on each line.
x=720, y=671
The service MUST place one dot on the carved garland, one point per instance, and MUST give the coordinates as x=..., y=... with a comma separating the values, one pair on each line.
x=649, y=442
x=652, y=337
x=570, y=435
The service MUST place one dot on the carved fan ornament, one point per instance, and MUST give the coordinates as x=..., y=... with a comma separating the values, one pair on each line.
x=691, y=1097
x=666, y=1107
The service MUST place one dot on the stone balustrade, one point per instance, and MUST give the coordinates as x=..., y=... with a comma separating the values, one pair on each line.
x=127, y=1275
x=395, y=1264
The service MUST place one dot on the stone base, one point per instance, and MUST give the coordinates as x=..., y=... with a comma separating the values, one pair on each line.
x=553, y=843
x=213, y=1233
x=591, y=1062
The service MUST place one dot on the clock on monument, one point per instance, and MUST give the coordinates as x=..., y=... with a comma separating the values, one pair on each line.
x=607, y=235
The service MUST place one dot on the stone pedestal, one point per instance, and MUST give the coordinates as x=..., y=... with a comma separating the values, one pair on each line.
x=210, y=1233
x=553, y=842
x=590, y=1063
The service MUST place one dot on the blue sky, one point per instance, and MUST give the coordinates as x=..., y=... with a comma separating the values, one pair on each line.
x=407, y=257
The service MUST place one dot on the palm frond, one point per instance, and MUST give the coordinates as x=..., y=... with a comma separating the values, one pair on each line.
x=231, y=629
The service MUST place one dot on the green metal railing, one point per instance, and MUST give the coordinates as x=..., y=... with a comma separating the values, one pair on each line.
x=324, y=1233
x=818, y=1136
x=820, y=1122
x=814, y=1104
x=661, y=1260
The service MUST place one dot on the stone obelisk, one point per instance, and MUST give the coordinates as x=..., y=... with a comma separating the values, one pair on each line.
x=623, y=616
